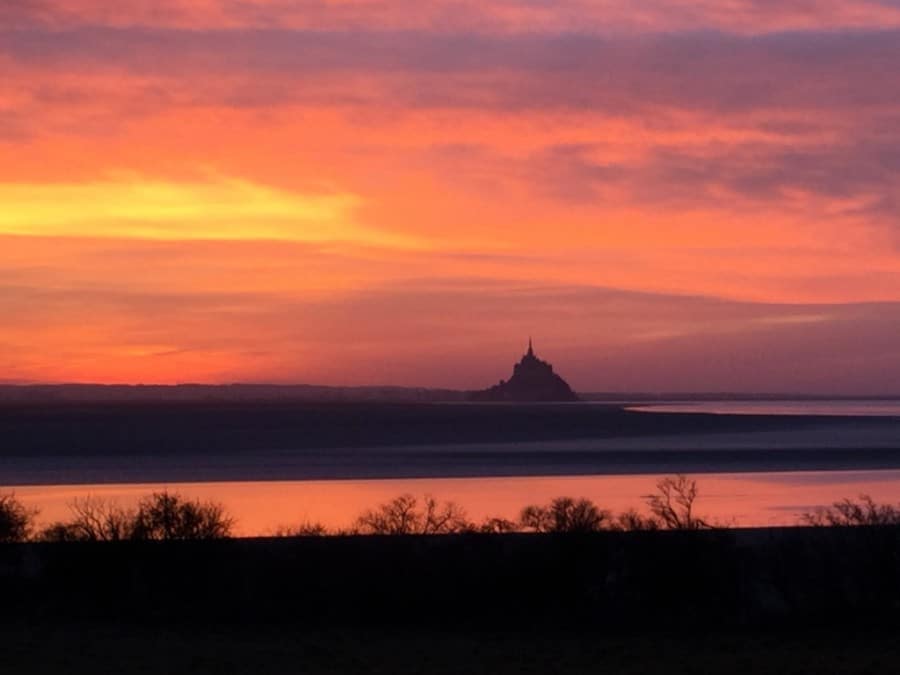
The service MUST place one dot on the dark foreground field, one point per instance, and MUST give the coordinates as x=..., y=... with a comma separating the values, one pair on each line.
x=108, y=648
x=794, y=600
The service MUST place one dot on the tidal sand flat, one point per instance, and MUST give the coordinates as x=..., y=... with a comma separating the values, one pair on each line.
x=278, y=464
x=141, y=443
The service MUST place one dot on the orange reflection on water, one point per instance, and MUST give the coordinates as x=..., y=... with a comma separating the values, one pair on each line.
x=261, y=507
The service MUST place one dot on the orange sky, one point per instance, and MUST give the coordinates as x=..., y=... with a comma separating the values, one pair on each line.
x=683, y=196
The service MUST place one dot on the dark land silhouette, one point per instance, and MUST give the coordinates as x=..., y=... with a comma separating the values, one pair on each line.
x=414, y=593
x=278, y=649
x=645, y=583
x=532, y=381
x=219, y=393
x=313, y=393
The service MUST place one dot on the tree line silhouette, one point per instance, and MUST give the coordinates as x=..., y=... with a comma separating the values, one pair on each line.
x=163, y=516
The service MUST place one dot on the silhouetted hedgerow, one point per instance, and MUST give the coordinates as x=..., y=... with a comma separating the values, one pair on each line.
x=403, y=515
x=849, y=513
x=160, y=516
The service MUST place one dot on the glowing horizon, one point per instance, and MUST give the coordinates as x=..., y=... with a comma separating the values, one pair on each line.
x=681, y=196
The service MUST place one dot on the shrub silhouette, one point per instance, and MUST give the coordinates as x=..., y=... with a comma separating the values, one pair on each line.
x=673, y=503
x=565, y=514
x=164, y=516
x=308, y=529
x=15, y=520
x=402, y=515
x=93, y=519
x=847, y=513
x=494, y=525
x=160, y=516
x=631, y=520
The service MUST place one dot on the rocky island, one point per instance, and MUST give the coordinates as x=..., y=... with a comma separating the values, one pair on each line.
x=533, y=380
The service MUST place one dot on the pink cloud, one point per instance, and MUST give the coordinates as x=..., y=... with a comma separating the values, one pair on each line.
x=743, y=16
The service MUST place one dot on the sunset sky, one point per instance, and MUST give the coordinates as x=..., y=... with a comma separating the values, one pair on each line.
x=668, y=195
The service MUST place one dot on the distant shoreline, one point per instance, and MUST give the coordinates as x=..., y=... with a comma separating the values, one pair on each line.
x=21, y=393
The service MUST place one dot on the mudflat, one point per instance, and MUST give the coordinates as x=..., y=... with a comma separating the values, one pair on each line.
x=153, y=442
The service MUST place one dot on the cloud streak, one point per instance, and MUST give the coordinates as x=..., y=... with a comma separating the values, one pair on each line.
x=719, y=72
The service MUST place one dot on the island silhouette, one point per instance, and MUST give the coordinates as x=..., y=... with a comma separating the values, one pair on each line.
x=533, y=380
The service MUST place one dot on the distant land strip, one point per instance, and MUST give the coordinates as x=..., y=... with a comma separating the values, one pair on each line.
x=190, y=392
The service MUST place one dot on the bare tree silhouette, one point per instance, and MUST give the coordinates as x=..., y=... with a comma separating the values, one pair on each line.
x=849, y=513
x=15, y=519
x=165, y=515
x=443, y=518
x=94, y=519
x=402, y=515
x=162, y=516
x=673, y=503
x=565, y=514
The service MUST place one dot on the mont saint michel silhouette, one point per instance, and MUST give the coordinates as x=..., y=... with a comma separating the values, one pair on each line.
x=533, y=380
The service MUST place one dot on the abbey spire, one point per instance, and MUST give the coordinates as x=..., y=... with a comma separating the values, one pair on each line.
x=532, y=380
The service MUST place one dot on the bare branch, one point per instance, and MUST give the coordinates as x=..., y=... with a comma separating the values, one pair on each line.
x=673, y=503
x=847, y=513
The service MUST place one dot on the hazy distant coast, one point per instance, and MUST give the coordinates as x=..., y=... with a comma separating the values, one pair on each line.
x=198, y=393
x=313, y=393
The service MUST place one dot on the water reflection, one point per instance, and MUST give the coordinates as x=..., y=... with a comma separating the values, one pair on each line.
x=265, y=506
x=855, y=408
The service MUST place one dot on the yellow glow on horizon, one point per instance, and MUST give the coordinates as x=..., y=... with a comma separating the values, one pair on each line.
x=222, y=208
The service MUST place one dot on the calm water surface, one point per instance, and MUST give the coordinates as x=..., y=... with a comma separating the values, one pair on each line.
x=746, y=499
x=857, y=408
x=770, y=490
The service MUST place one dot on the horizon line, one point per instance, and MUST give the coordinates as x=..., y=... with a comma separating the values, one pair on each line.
x=593, y=392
